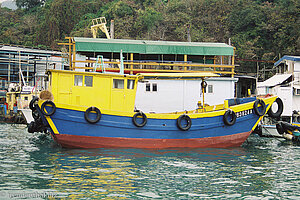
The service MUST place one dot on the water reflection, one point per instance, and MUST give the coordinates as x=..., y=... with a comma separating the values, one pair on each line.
x=259, y=169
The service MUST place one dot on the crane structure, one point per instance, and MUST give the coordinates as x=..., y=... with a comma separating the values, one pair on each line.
x=99, y=23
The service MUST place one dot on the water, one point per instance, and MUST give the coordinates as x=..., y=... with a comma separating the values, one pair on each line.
x=32, y=166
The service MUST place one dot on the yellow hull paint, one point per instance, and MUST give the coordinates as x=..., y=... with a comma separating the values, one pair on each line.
x=236, y=108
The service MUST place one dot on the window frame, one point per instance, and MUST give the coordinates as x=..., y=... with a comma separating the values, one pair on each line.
x=76, y=83
x=128, y=84
x=115, y=79
x=92, y=80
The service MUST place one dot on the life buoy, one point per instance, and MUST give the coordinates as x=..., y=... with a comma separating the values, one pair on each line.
x=48, y=103
x=256, y=108
x=139, y=114
x=186, y=126
x=279, y=110
x=87, y=113
x=229, y=118
x=31, y=103
x=203, y=84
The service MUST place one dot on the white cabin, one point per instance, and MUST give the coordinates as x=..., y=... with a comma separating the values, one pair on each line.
x=165, y=95
x=285, y=84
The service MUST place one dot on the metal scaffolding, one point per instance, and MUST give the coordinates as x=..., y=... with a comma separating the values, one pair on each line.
x=26, y=66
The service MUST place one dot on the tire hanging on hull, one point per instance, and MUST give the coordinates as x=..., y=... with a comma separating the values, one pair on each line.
x=136, y=123
x=279, y=110
x=87, y=113
x=186, y=126
x=51, y=104
x=256, y=108
x=229, y=118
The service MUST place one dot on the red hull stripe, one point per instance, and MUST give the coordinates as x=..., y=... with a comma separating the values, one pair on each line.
x=74, y=141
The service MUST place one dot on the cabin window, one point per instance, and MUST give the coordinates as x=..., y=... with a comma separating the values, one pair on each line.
x=88, y=81
x=26, y=98
x=78, y=80
x=297, y=91
x=210, y=89
x=151, y=87
x=130, y=84
x=118, y=83
x=148, y=87
x=154, y=87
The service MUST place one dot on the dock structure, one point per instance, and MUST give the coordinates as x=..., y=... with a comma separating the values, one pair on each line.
x=31, y=62
x=151, y=56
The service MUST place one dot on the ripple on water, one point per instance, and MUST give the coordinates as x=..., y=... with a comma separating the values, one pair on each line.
x=260, y=169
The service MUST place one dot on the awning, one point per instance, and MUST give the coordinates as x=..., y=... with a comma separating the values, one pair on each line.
x=278, y=79
x=284, y=58
x=100, y=45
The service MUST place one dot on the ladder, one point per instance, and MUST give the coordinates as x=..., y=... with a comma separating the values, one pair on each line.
x=99, y=64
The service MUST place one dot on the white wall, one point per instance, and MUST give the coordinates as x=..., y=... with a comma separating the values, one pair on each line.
x=286, y=95
x=297, y=67
x=180, y=95
x=296, y=102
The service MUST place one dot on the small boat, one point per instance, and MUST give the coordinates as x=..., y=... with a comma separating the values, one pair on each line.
x=96, y=110
x=288, y=131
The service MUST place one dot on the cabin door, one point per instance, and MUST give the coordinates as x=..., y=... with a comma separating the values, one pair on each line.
x=65, y=84
x=118, y=95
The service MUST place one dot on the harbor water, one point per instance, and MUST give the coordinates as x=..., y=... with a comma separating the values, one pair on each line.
x=32, y=166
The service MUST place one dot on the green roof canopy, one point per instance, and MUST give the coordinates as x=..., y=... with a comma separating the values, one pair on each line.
x=151, y=47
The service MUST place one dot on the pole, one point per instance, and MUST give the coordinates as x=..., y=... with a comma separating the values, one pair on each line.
x=8, y=78
x=27, y=79
x=20, y=70
x=188, y=33
x=202, y=84
x=229, y=60
x=185, y=61
x=112, y=29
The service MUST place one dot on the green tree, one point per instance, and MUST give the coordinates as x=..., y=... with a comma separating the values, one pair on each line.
x=29, y=3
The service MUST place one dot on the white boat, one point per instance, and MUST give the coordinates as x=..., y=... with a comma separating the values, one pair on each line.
x=286, y=85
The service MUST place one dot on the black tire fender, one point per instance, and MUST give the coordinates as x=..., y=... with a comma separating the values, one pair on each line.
x=31, y=127
x=187, y=126
x=92, y=109
x=255, y=107
x=49, y=103
x=134, y=119
x=279, y=111
x=279, y=128
x=229, y=114
x=31, y=103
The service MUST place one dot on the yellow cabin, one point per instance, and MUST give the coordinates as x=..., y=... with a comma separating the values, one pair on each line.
x=107, y=91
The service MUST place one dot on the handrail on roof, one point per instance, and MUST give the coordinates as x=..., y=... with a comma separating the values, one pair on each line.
x=225, y=64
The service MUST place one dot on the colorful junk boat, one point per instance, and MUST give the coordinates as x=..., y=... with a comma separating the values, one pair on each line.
x=95, y=110
x=119, y=103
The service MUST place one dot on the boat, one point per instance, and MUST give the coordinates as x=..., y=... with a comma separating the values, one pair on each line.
x=288, y=131
x=97, y=110
x=3, y=106
x=160, y=96
x=285, y=85
x=17, y=101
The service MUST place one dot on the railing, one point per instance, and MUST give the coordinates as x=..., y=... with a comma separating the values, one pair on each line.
x=132, y=66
